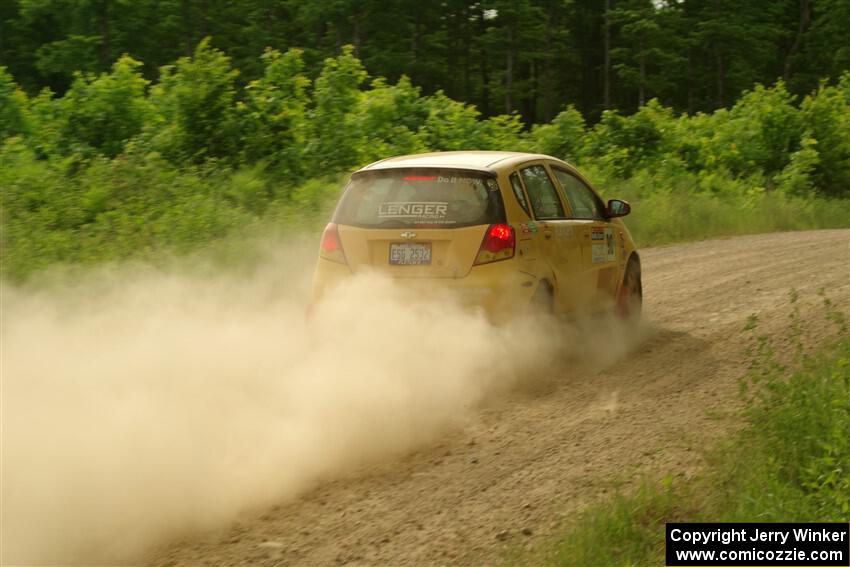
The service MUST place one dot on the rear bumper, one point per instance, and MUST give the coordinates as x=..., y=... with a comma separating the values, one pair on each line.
x=499, y=288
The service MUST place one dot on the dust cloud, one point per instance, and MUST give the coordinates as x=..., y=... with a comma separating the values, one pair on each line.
x=141, y=405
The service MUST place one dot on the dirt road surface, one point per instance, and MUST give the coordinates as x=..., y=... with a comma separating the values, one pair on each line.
x=528, y=462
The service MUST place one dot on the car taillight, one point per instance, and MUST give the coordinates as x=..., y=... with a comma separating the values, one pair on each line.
x=331, y=247
x=499, y=244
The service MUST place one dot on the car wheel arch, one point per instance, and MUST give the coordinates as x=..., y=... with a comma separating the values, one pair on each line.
x=633, y=260
x=633, y=267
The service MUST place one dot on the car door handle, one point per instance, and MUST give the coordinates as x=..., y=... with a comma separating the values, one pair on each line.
x=547, y=234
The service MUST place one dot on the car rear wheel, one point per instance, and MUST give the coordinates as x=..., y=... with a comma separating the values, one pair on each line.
x=630, y=296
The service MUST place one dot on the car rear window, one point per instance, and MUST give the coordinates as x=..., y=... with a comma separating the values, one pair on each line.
x=420, y=197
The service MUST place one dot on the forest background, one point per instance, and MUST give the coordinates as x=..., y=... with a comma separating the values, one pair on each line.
x=139, y=129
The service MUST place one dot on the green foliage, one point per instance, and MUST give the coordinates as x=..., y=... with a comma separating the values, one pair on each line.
x=563, y=137
x=626, y=144
x=12, y=104
x=800, y=425
x=99, y=114
x=677, y=206
x=791, y=460
x=389, y=119
x=195, y=102
x=796, y=177
x=528, y=56
x=820, y=55
x=134, y=206
x=451, y=125
x=334, y=134
x=108, y=170
x=503, y=132
x=826, y=115
x=314, y=199
x=74, y=54
x=273, y=116
x=628, y=531
x=650, y=43
x=759, y=132
x=45, y=117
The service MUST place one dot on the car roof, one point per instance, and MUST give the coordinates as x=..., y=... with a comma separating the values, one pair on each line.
x=489, y=161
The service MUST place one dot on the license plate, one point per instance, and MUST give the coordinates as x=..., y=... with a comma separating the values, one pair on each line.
x=410, y=254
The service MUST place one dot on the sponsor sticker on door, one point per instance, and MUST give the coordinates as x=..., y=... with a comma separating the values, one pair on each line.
x=599, y=252
x=605, y=251
x=609, y=242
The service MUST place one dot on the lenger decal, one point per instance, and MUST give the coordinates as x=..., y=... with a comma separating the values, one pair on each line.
x=413, y=210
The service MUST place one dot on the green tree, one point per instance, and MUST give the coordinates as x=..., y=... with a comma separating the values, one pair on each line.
x=273, y=117
x=13, y=103
x=195, y=104
x=628, y=143
x=820, y=49
x=648, y=47
x=390, y=118
x=826, y=116
x=736, y=40
x=334, y=136
x=102, y=112
x=759, y=133
x=563, y=137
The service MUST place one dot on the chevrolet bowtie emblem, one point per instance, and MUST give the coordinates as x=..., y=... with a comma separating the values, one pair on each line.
x=408, y=235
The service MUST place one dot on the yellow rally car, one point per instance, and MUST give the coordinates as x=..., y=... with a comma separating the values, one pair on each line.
x=504, y=230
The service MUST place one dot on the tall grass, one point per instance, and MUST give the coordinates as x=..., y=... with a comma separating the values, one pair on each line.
x=685, y=207
x=791, y=462
x=140, y=207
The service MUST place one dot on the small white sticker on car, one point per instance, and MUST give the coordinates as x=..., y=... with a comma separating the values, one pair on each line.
x=599, y=252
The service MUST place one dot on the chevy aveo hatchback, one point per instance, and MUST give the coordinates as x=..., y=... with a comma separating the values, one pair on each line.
x=503, y=230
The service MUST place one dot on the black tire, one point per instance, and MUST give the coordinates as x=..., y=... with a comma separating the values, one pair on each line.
x=629, y=303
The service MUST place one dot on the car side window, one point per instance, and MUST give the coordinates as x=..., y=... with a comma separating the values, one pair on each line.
x=520, y=196
x=585, y=204
x=542, y=193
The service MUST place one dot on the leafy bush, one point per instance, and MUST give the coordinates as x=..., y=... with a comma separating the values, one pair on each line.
x=800, y=427
x=109, y=170
x=628, y=144
x=759, y=133
x=563, y=137
x=334, y=136
x=99, y=114
x=273, y=116
x=390, y=118
x=194, y=100
x=12, y=104
x=826, y=116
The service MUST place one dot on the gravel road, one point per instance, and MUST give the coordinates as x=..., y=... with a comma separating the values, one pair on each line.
x=527, y=462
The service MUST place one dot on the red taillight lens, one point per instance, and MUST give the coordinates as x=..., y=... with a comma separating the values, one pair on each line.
x=498, y=244
x=330, y=239
x=499, y=237
x=331, y=247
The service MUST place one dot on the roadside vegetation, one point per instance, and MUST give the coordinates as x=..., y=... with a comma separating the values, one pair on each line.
x=121, y=167
x=790, y=461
